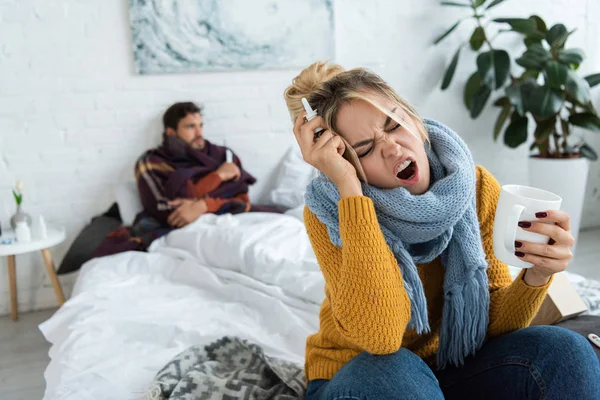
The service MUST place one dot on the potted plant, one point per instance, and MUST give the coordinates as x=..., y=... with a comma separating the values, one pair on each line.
x=546, y=91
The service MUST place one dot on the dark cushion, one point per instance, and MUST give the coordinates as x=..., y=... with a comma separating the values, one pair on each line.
x=584, y=325
x=89, y=239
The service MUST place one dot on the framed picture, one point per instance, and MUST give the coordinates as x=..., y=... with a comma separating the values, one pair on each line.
x=172, y=36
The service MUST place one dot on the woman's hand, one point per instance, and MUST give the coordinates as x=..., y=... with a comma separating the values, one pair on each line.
x=326, y=154
x=547, y=259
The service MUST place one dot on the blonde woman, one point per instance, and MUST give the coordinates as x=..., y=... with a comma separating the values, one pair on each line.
x=400, y=219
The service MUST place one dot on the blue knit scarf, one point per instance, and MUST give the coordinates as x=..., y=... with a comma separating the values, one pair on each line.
x=441, y=222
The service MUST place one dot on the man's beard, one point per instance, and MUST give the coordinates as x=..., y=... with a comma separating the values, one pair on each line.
x=198, y=144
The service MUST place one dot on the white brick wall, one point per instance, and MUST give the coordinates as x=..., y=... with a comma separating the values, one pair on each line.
x=73, y=115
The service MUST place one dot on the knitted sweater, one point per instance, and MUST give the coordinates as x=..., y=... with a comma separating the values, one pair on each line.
x=366, y=307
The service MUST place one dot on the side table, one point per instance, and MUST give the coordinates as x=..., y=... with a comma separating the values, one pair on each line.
x=54, y=237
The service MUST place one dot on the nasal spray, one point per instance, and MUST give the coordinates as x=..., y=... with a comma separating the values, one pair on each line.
x=228, y=152
x=310, y=114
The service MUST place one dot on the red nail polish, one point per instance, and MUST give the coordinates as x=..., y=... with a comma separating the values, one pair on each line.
x=524, y=224
x=541, y=215
x=519, y=254
x=518, y=244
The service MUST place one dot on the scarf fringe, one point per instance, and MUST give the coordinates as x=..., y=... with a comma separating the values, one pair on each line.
x=459, y=328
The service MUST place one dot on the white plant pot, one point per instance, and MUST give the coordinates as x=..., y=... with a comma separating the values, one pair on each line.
x=567, y=178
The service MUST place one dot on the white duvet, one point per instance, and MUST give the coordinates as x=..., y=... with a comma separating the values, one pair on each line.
x=253, y=275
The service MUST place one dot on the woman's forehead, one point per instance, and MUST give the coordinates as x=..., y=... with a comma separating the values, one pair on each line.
x=354, y=117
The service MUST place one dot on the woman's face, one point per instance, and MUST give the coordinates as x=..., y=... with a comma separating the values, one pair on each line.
x=390, y=155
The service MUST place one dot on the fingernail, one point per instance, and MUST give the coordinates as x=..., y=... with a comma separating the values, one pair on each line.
x=519, y=254
x=541, y=215
x=518, y=244
x=524, y=224
x=551, y=241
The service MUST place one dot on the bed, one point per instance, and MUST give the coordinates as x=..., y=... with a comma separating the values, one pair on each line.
x=253, y=276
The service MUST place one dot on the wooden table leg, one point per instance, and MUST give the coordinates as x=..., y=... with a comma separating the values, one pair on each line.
x=12, y=279
x=47, y=256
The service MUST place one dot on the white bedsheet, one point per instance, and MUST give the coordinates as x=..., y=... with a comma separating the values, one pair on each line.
x=253, y=275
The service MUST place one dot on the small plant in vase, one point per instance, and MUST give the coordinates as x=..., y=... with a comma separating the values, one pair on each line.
x=20, y=215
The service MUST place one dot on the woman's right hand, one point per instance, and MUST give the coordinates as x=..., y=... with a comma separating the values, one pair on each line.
x=326, y=153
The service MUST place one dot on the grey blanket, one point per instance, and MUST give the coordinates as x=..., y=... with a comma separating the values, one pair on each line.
x=228, y=369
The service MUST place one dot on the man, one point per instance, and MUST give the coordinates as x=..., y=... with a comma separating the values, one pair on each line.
x=187, y=176
x=182, y=179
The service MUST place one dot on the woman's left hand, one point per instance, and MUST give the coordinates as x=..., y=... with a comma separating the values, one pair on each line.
x=547, y=259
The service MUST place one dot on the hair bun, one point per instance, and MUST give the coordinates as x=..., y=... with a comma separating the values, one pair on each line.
x=306, y=82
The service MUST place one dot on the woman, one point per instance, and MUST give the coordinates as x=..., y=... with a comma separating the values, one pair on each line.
x=401, y=221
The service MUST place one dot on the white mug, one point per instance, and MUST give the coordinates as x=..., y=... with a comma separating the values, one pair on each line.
x=519, y=203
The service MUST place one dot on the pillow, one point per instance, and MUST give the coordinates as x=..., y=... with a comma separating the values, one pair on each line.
x=90, y=237
x=297, y=212
x=128, y=200
x=291, y=181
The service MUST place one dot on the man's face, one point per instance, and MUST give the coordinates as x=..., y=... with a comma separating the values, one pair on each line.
x=190, y=130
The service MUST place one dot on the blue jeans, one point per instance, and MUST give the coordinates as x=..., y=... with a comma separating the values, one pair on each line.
x=541, y=362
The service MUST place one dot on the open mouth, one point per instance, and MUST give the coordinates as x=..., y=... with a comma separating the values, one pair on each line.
x=406, y=171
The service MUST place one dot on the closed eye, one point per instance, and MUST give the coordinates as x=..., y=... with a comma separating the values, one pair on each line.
x=392, y=129
x=368, y=151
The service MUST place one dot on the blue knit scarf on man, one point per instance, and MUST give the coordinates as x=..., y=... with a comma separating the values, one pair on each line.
x=419, y=228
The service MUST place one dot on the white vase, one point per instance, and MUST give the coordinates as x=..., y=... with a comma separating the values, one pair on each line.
x=567, y=177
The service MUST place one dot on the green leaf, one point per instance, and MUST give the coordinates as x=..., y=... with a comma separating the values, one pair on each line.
x=560, y=42
x=478, y=3
x=540, y=25
x=593, y=79
x=544, y=102
x=529, y=41
x=556, y=74
x=494, y=4
x=530, y=73
x=513, y=92
x=473, y=84
x=535, y=57
x=494, y=67
x=557, y=34
x=516, y=133
x=452, y=3
x=450, y=71
x=578, y=87
x=571, y=56
x=521, y=25
x=587, y=152
x=477, y=38
x=449, y=31
x=502, y=101
x=544, y=129
x=504, y=113
x=586, y=120
x=479, y=100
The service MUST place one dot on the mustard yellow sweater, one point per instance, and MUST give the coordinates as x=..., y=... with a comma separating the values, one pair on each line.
x=366, y=307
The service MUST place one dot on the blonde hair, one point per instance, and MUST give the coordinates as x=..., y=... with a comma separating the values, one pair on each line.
x=328, y=86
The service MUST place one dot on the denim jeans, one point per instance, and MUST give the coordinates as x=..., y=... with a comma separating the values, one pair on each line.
x=541, y=362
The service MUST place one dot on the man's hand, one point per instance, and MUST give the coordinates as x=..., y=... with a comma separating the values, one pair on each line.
x=228, y=171
x=187, y=211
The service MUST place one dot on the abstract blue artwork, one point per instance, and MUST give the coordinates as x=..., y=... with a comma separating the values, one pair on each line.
x=218, y=35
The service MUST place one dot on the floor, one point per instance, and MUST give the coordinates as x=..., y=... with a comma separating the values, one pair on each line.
x=24, y=356
x=24, y=351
